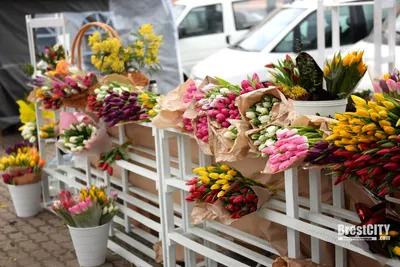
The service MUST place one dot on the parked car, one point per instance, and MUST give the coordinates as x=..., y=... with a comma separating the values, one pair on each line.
x=277, y=36
x=209, y=25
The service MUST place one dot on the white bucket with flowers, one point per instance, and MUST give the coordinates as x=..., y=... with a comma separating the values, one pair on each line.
x=301, y=80
x=88, y=218
x=22, y=174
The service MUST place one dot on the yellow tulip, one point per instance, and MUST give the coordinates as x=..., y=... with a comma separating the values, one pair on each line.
x=210, y=168
x=359, y=56
x=374, y=116
x=326, y=70
x=389, y=129
x=232, y=173
x=345, y=134
x=197, y=170
x=362, y=112
x=384, y=123
x=338, y=143
x=2, y=167
x=332, y=137
x=222, y=181
x=81, y=197
x=396, y=250
x=389, y=105
x=351, y=148
x=340, y=117
x=347, y=60
x=369, y=127
x=383, y=114
x=32, y=163
x=357, y=129
x=381, y=135
x=346, y=141
x=222, y=175
x=203, y=173
x=386, y=76
x=358, y=100
x=221, y=194
x=213, y=175
x=215, y=187
x=228, y=177
x=364, y=140
x=379, y=97
x=4, y=160
x=336, y=60
x=372, y=132
x=205, y=179
x=224, y=168
x=226, y=186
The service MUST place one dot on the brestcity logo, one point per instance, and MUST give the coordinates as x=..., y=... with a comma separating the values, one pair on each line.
x=363, y=232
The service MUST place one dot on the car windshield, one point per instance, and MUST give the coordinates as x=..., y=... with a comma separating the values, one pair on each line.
x=178, y=10
x=263, y=34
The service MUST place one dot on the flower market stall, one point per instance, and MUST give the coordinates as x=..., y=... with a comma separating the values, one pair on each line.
x=211, y=166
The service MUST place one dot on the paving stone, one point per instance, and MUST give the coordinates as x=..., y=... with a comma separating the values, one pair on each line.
x=36, y=222
x=28, y=245
x=53, y=263
x=27, y=229
x=38, y=237
x=41, y=254
x=18, y=236
x=28, y=262
x=50, y=246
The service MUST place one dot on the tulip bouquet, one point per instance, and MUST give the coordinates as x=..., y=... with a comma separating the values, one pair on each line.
x=191, y=93
x=343, y=74
x=292, y=146
x=264, y=138
x=93, y=207
x=260, y=114
x=252, y=84
x=389, y=84
x=108, y=158
x=231, y=133
x=150, y=107
x=372, y=122
x=235, y=192
x=78, y=137
x=219, y=102
x=200, y=128
x=22, y=165
x=48, y=59
x=48, y=130
x=29, y=131
x=120, y=107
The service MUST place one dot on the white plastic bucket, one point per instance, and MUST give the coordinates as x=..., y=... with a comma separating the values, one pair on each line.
x=90, y=244
x=26, y=198
x=323, y=108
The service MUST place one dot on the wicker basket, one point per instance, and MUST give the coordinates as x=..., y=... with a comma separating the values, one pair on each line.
x=136, y=78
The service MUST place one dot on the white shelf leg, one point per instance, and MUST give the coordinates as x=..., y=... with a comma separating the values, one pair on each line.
x=292, y=210
x=315, y=206
x=124, y=178
x=338, y=201
x=185, y=167
x=167, y=207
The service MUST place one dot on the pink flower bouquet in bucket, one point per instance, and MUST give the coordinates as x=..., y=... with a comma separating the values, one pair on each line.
x=88, y=216
x=93, y=207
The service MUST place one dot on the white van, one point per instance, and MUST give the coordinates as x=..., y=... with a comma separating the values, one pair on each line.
x=207, y=26
x=276, y=36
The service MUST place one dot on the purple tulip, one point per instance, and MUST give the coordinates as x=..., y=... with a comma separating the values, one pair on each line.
x=321, y=145
x=384, y=86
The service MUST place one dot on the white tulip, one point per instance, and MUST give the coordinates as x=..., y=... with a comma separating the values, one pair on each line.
x=231, y=127
x=42, y=65
x=62, y=141
x=271, y=130
x=74, y=91
x=72, y=139
x=271, y=77
x=79, y=148
x=265, y=119
x=125, y=88
x=208, y=87
x=104, y=87
x=97, y=91
x=250, y=115
x=257, y=143
x=275, y=100
x=267, y=104
x=45, y=88
x=267, y=98
x=32, y=139
x=85, y=142
x=270, y=142
x=261, y=147
x=73, y=149
x=229, y=135
x=224, y=91
x=261, y=110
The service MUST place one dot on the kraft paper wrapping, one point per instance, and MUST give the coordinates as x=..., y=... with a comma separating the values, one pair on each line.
x=230, y=150
x=26, y=178
x=288, y=262
x=245, y=101
x=219, y=213
x=172, y=108
x=321, y=123
x=253, y=224
x=101, y=142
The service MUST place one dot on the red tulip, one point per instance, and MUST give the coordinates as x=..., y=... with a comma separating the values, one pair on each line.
x=273, y=66
x=117, y=157
x=253, y=209
x=396, y=181
x=395, y=158
x=383, y=191
x=189, y=198
x=383, y=151
x=363, y=171
x=377, y=171
x=295, y=78
x=230, y=207
x=192, y=182
x=238, y=200
x=209, y=198
x=288, y=59
x=110, y=170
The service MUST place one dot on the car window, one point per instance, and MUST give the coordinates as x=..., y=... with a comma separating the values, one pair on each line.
x=258, y=38
x=201, y=21
x=369, y=15
x=352, y=29
x=248, y=13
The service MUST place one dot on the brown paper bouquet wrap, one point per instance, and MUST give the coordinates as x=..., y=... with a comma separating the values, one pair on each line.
x=138, y=78
x=24, y=178
x=172, y=108
x=217, y=211
x=288, y=262
x=228, y=150
x=279, y=111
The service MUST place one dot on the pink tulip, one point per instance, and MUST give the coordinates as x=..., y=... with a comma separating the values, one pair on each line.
x=259, y=85
x=89, y=202
x=283, y=157
x=232, y=96
x=292, y=147
x=293, y=159
x=302, y=154
x=83, y=206
x=284, y=147
x=302, y=147
x=391, y=85
x=279, y=143
x=299, y=140
x=281, y=133
x=219, y=105
x=291, y=133
x=274, y=159
x=284, y=165
x=255, y=77
x=274, y=167
x=225, y=124
x=377, y=87
x=71, y=211
x=269, y=150
x=245, y=84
